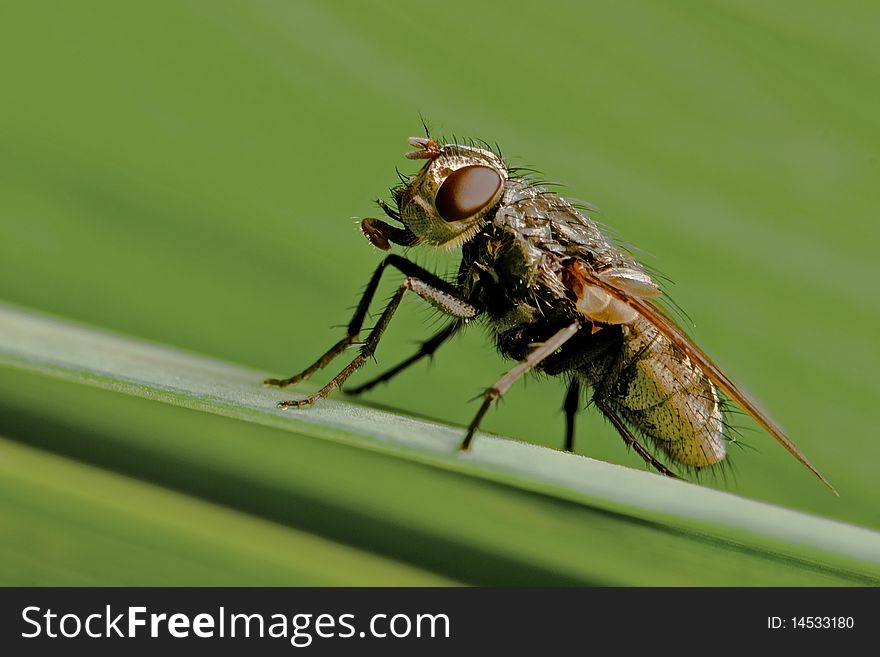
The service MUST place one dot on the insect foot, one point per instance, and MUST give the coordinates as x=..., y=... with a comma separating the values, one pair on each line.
x=283, y=383
x=297, y=403
x=489, y=397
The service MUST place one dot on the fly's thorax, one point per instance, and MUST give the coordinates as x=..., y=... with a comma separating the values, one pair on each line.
x=446, y=203
x=493, y=274
x=555, y=247
x=518, y=251
x=662, y=393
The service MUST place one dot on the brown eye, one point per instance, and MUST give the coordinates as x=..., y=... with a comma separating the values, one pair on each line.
x=466, y=191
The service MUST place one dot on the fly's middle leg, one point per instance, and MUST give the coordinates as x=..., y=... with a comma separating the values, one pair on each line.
x=503, y=384
x=571, y=406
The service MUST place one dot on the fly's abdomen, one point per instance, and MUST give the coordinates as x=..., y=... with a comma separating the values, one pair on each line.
x=662, y=394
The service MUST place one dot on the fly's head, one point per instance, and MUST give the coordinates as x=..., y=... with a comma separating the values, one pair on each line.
x=447, y=201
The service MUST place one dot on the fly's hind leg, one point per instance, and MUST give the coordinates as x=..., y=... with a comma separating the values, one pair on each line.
x=571, y=406
x=632, y=441
x=503, y=384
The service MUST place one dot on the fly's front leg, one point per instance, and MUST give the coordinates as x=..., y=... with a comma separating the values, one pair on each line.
x=427, y=349
x=445, y=301
x=354, y=329
x=357, y=321
x=503, y=384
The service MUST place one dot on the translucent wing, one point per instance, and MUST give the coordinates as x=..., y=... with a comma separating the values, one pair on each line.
x=674, y=334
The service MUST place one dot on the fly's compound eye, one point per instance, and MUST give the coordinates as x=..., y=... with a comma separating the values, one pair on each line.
x=466, y=191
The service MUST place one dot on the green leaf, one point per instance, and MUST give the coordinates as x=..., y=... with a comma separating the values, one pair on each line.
x=377, y=487
x=197, y=190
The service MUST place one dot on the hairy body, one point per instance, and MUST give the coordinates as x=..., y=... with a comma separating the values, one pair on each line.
x=559, y=297
x=522, y=269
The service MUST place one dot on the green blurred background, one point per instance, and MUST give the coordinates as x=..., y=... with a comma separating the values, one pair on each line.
x=188, y=172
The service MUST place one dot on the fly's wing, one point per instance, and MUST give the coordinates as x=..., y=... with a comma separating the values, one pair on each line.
x=666, y=327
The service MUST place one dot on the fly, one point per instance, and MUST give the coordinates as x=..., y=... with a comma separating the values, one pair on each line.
x=558, y=296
